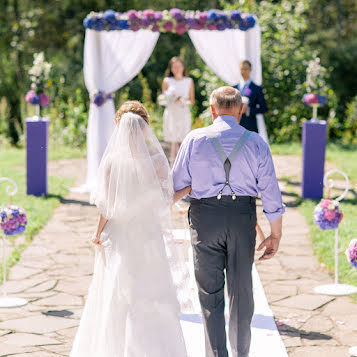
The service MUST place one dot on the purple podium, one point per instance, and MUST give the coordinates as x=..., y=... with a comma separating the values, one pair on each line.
x=36, y=155
x=314, y=135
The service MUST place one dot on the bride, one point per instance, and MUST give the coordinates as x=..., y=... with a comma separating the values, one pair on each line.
x=132, y=306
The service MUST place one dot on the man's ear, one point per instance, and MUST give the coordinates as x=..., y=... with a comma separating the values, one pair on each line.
x=213, y=111
x=240, y=112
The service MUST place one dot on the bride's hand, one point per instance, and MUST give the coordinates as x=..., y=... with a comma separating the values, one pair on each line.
x=96, y=241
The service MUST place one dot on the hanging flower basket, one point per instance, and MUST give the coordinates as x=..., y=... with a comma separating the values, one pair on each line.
x=13, y=220
x=327, y=214
x=351, y=253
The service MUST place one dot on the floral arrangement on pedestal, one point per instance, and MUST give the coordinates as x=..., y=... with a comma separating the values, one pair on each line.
x=13, y=220
x=351, y=253
x=174, y=20
x=327, y=214
x=39, y=76
x=315, y=85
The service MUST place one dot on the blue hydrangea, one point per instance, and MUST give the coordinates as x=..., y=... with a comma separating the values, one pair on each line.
x=212, y=15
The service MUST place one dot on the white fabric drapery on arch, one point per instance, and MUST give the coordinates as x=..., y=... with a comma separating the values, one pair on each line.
x=224, y=50
x=111, y=60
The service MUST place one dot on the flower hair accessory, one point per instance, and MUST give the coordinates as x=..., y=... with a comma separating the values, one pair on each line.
x=99, y=97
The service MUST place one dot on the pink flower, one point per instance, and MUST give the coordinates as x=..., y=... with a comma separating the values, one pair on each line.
x=149, y=13
x=330, y=215
x=44, y=99
x=132, y=15
x=168, y=26
x=325, y=203
x=211, y=27
x=180, y=28
x=29, y=95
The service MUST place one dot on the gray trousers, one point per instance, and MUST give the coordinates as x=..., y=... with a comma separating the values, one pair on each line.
x=223, y=240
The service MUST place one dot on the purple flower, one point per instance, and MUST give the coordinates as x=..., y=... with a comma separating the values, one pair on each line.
x=235, y=15
x=88, y=22
x=177, y=14
x=145, y=22
x=322, y=100
x=212, y=15
x=134, y=27
x=98, y=24
x=168, y=26
x=327, y=218
x=123, y=24
x=44, y=99
x=132, y=15
x=158, y=16
x=203, y=18
x=221, y=27
x=247, y=92
x=211, y=27
x=98, y=99
x=35, y=100
x=29, y=96
x=109, y=16
x=222, y=16
x=155, y=28
x=250, y=21
x=149, y=14
x=16, y=224
x=351, y=253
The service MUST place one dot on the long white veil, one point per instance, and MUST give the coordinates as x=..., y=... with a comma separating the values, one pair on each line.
x=135, y=186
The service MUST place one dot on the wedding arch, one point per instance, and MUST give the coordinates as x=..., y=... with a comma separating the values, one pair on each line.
x=118, y=45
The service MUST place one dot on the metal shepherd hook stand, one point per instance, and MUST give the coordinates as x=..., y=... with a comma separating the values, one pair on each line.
x=336, y=289
x=6, y=301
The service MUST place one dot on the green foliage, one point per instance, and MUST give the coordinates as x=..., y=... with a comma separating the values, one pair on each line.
x=350, y=132
x=69, y=123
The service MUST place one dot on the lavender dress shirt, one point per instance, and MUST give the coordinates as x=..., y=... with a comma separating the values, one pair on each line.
x=198, y=164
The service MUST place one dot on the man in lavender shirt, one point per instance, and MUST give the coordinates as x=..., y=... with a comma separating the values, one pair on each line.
x=227, y=166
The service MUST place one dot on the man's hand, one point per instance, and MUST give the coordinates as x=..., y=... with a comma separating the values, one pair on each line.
x=271, y=245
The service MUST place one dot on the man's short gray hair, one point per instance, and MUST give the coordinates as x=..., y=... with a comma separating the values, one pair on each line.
x=226, y=98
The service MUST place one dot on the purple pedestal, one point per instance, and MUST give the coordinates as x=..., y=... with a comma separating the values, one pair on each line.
x=36, y=159
x=313, y=146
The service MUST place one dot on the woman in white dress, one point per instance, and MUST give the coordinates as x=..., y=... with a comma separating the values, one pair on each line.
x=179, y=91
x=132, y=306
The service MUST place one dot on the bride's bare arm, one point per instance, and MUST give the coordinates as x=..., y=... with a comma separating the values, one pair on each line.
x=181, y=193
x=101, y=224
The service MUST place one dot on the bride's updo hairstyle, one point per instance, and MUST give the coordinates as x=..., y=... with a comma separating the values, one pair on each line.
x=132, y=106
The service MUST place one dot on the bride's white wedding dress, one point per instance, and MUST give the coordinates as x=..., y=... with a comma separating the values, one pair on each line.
x=132, y=307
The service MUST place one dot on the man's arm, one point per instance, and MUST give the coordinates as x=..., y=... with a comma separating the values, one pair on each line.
x=181, y=171
x=271, y=199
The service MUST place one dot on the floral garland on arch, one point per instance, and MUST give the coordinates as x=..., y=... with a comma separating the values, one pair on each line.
x=174, y=20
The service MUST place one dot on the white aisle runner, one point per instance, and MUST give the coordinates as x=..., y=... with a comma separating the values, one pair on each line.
x=266, y=340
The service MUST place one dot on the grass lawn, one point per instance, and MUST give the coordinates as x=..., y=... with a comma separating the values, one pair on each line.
x=39, y=209
x=345, y=158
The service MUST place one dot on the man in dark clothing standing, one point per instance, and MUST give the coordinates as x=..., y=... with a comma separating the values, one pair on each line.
x=256, y=102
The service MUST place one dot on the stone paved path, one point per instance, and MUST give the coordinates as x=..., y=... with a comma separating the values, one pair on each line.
x=55, y=271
